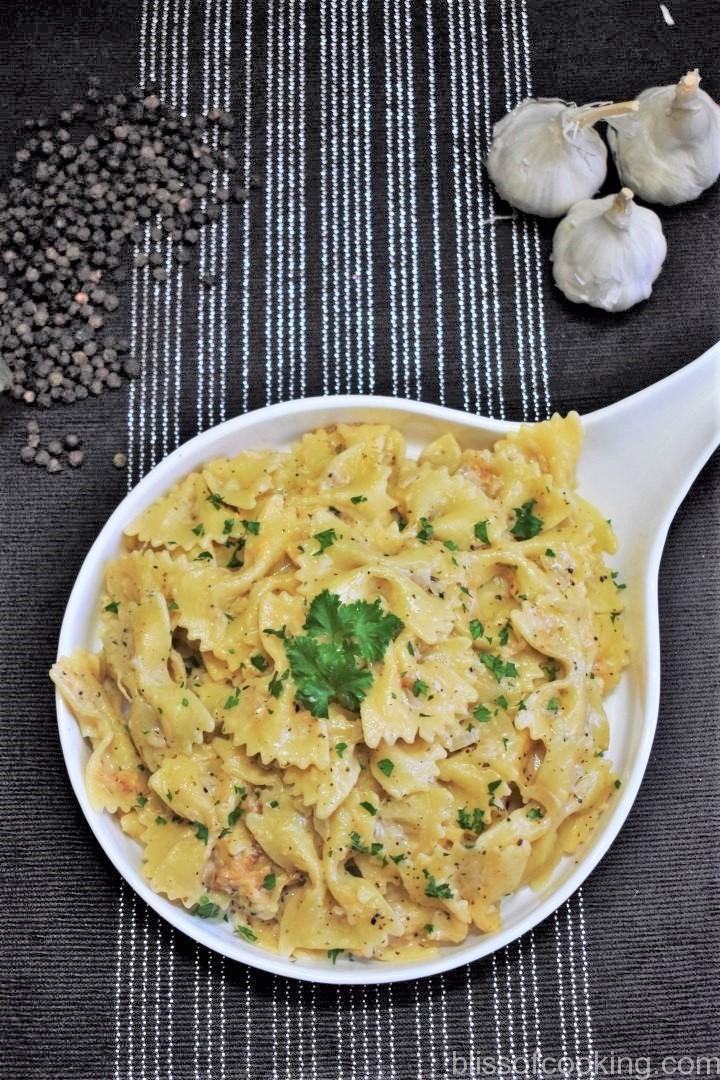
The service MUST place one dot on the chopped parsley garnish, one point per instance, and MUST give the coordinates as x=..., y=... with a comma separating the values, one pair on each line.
x=328, y=671
x=269, y=882
x=235, y=815
x=340, y=748
x=614, y=615
x=201, y=831
x=334, y=953
x=228, y=526
x=203, y=556
x=215, y=499
x=399, y=858
x=233, y=699
x=401, y=523
x=142, y=800
x=372, y=810
x=504, y=634
x=476, y=629
x=616, y=583
x=234, y=562
x=274, y=803
x=482, y=714
x=493, y=786
x=502, y=701
x=550, y=553
x=355, y=499
x=258, y=661
x=553, y=704
x=535, y=813
x=325, y=539
x=500, y=669
x=252, y=527
x=275, y=686
x=481, y=533
x=474, y=822
x=199, y=529
x=173, y=606
x=159, y=820
x=113, y=607
x=185, y=702
x=526, y=524
x=429, y=928
x=386, y=766
x=410, y=648
x=205, y=909
x=450, y=545
x=245, y=932
x=618, y=783
x=275, y=633
x=425, y=531
x=419, y=688
x=437, y=889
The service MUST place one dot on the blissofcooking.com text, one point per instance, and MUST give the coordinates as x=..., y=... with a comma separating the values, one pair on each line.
x=610, y=1064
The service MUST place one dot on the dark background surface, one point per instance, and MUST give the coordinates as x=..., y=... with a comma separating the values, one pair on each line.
x=93, y=985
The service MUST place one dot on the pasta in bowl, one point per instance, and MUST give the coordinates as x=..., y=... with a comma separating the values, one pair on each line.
x=347, y=701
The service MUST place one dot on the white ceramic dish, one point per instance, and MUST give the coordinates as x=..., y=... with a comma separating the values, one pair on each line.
x=639, y=459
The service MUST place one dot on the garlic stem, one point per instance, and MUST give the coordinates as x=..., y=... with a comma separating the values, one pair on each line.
x=687, y=85
x=619, y=210
x=599, y=112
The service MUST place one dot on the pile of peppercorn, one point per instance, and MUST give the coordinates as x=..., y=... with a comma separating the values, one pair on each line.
x=109, y=172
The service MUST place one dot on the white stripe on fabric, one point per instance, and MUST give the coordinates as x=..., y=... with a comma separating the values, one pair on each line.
x=290, y=270
x=389, y=111
x=418, y=1033
x=313, y=1034
x=269, y=195
x=457, y=201
x=561, y=990
x=248, y=1023
x=131, y=992
x=471, y=1019
x=334, y=200
x=158, y=987
x=509, y=1020
x=573, y=980
x=585, y=977
x=468, y=174
x=338, y=1028
x=482, y=151
x=246, y=211
x=483, y=226
x=496, y=1006
x=350, y=366
x=279, y=214
x=368, y=199
x=400, y=159
x=222, y=1018
x=358, y=267
x=536, y=995
x=144, y=992
x=411, y=167
x=523, y=999
x=209, y=1019
x=432, y=117
x=324, y=304
x=118, y=973
x=202, y=245
x=365, y=1021
x=301, y=199
x=196, y=1012
x=520, y=329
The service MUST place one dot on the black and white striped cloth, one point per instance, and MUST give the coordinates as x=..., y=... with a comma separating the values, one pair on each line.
x=375, y=258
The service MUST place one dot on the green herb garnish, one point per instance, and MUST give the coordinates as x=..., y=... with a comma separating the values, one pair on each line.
x=526, y=524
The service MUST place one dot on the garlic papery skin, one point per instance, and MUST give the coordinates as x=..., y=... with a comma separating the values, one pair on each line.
x=669, y=151
x=608, y=252
x=545, y=155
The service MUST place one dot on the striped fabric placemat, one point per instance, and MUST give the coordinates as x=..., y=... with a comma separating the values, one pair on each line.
x=371, y=257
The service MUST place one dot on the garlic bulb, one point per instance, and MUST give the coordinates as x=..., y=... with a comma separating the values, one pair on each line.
x=608, y=252
x=545, y=154
x=669, y=150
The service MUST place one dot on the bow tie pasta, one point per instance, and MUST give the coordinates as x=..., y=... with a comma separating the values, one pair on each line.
x=347, y=700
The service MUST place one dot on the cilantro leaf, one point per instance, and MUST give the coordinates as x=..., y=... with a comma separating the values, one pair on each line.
x=439, y=889
x=482, y=714
x=355, y=499
x=386, y=766
x=476, y=629
x=113, y=607
x=481, y=533
x=215, y=499
x=361, y=627
x=325, y=672
x=500, y=668
x=245, y=932
x=526, y=524
x=205, y=909
x=325, y=539
x=425, y=531
x=258, y=661
x=340, y=748
x=252, y=527
x=275, y=686
x=472, y=822
x=201, y=832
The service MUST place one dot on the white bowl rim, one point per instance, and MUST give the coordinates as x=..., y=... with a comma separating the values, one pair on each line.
x=365, y=972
